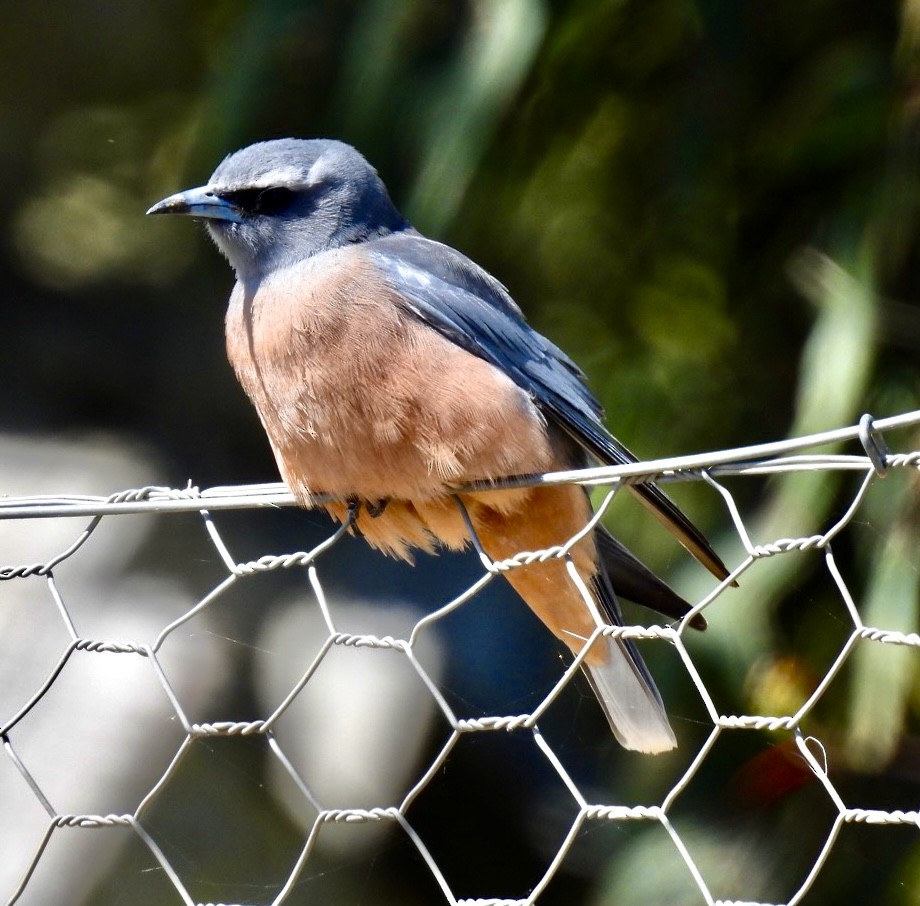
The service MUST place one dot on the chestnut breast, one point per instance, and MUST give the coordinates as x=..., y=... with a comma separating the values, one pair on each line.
x=360, y=398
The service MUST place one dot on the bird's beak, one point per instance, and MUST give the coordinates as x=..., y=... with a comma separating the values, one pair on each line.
x=200, y=202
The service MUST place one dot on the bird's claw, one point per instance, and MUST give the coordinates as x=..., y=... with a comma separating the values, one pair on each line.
x=376, y=509
x=354, y=510
x=373, y=510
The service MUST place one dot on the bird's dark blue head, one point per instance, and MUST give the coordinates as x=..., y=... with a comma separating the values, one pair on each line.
x=278, y=202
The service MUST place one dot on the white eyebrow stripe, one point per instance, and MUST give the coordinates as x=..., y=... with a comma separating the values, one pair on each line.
x=323, y=167
x=289, y=178
x=281, y=177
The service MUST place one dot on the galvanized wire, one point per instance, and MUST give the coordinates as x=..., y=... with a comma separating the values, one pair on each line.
x=777, y=458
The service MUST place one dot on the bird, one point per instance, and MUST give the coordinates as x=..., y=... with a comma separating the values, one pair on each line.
x=390, y=371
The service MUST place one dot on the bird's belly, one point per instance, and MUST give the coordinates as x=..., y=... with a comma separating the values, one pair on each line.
x=412, y=434
x=360, y=399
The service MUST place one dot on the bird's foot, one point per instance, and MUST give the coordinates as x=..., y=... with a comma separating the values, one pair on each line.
x=376, y=509
x=354, y=510
x=355, y=505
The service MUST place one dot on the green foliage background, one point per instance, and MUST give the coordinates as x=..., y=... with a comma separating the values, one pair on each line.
x=712, y=206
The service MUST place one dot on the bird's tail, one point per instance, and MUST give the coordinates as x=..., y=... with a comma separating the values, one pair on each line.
x=630, y=702
x=625, y=689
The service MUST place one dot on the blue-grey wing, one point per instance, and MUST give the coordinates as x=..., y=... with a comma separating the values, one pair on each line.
x=457, y=298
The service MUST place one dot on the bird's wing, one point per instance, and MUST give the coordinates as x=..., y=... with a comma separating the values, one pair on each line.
x=633, y=580
x=457, y=298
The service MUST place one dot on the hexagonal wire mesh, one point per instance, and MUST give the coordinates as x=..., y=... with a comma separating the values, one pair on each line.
x=811, y=752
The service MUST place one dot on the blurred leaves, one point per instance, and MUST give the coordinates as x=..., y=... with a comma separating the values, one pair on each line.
x=712, y=207
x=82, y=227
x=891, y=598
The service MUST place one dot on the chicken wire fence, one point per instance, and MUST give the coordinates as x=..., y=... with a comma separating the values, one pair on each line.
x=37, y=834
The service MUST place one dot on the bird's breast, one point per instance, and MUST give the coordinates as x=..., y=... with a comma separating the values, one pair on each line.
x=360, y=398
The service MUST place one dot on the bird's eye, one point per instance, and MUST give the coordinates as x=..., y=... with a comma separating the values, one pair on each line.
x=272, y=200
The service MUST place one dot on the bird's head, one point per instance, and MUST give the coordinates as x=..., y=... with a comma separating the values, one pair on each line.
x=278, y=202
